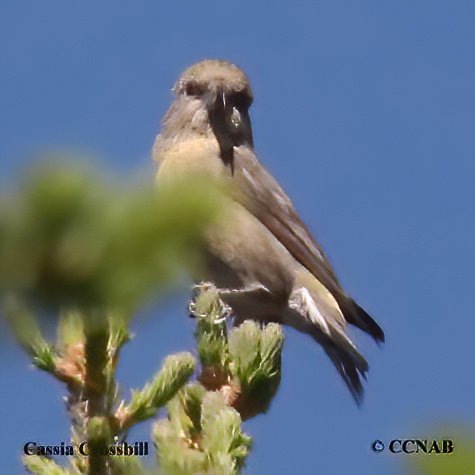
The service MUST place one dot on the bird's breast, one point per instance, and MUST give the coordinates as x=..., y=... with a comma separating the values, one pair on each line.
x=195, y=157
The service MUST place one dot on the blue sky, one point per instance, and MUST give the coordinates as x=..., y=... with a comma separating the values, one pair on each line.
x=365, y=111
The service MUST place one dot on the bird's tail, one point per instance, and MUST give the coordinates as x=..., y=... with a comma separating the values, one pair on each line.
x=347, y=360
x=322, y=318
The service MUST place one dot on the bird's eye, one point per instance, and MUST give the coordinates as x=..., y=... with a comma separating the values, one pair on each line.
x=193, y=89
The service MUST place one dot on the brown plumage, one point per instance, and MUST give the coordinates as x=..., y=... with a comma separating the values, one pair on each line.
x=260, y=253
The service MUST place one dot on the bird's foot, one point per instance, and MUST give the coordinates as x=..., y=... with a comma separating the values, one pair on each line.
x=223, y=309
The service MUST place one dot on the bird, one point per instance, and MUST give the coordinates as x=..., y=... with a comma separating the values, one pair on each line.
x=259, y=254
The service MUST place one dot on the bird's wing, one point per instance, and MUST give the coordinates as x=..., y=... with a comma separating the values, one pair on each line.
x=260, y=193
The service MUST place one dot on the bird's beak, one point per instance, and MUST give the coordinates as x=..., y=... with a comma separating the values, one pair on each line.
x=223, y=99
x=216, y=101
x=216, y=105
x=231, y=126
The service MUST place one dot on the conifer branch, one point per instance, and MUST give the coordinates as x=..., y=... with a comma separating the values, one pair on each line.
x=89, y=267
x=39, y=465
x=144, y=404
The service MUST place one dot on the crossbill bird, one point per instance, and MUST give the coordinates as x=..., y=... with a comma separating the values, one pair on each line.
x=259, y=254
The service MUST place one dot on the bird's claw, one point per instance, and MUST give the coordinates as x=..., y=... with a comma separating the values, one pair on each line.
x=226, y=310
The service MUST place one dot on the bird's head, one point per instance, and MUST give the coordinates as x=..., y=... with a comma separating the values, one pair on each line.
x=213, y=78
x=214, y=96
